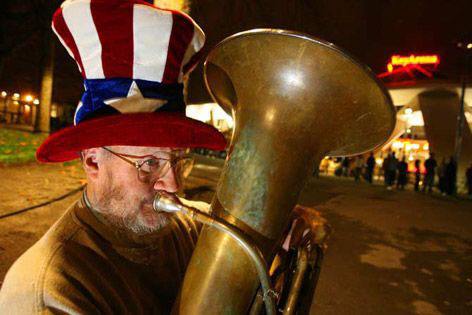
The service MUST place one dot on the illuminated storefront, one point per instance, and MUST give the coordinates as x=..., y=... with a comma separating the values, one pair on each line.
x=211, y=113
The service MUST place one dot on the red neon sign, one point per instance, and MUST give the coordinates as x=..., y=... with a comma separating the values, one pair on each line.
x=412, y=60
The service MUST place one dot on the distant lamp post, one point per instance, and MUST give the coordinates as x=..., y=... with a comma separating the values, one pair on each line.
x=16, y=96
x=28, y=98
x=4, y=94
x=36, y=102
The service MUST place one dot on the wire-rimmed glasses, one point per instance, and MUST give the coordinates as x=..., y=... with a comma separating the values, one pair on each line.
x=151, y=168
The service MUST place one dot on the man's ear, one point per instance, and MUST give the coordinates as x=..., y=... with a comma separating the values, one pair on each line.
x=90, y=161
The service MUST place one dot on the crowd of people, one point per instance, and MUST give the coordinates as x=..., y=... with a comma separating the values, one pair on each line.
x=424, y=176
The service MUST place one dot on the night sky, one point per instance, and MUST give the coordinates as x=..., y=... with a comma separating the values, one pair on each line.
x=371, y=30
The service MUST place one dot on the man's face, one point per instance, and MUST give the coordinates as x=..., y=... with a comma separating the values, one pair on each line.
x=123, y=198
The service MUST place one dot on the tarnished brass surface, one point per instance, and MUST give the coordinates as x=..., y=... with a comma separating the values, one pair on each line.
x=294, y=99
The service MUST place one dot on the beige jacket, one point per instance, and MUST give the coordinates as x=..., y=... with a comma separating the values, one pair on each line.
x=81, y=266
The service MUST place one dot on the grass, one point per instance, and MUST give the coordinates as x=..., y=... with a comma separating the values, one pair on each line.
x=18, y=147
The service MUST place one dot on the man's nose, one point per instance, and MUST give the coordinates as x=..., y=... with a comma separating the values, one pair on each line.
x=169, y=182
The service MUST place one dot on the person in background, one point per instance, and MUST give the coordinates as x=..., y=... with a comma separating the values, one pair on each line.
x=417, y=175
x=370, y=165
x=358, y=165
x=402, y=174
x=442, y=176
x=391, y=170
x=345, y=166
x=451, y=169
x=385, y=168
x=430, y=166
x=468, y=176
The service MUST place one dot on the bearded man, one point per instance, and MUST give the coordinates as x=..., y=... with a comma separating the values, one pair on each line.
x=111, y=253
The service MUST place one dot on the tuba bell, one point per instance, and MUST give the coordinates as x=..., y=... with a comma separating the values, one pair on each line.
x=294, y=99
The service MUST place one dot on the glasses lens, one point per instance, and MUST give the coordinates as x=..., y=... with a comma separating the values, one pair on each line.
x=155, y=170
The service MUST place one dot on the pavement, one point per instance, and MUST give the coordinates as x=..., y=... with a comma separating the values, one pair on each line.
x=390, y=252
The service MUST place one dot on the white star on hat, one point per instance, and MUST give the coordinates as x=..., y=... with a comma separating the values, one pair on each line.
x=135, y=102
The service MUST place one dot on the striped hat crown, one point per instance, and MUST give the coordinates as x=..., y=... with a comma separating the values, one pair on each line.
x=132, y=55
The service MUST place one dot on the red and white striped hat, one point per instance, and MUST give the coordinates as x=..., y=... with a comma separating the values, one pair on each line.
x=133, y=57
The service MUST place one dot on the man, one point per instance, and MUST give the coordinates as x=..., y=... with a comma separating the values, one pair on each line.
x=358, y=165
x=111, y=253
x=468, y=177
x=370, y=167
x=391, y=170
x=430, y=166
x=451, y=176
x=402, y=178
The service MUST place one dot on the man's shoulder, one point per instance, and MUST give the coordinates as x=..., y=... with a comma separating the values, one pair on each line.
x=42, y=271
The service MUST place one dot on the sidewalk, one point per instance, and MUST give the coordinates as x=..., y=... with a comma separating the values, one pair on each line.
x=392, y=252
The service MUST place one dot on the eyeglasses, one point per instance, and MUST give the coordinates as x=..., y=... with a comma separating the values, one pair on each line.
x=151, y=168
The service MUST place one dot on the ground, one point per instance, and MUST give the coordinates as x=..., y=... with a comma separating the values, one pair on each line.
x=390, y=252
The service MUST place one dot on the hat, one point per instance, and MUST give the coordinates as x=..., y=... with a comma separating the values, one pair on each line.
x=133, y=57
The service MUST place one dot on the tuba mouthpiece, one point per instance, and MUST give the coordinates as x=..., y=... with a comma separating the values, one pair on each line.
x=167, y=203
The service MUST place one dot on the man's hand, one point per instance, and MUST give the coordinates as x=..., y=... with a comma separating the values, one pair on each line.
x=307, y=222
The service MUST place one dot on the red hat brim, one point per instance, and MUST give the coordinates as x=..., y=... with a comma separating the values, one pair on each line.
x=138, y=129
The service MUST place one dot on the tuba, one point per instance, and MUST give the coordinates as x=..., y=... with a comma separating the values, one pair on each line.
x=294, y=100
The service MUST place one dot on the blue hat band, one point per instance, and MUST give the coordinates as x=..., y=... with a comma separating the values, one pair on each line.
x=98, y=91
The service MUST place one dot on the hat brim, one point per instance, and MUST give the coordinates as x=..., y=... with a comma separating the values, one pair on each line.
x=138, y=129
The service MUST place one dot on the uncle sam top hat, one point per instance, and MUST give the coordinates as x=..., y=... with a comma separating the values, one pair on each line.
x=133, y=57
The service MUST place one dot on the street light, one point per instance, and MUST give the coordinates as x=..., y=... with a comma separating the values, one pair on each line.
x=16, y=96
x=28, y=98
x=4, y=94
x=36, y=102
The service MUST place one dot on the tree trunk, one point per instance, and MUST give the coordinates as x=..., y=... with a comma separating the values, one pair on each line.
x=42, y=119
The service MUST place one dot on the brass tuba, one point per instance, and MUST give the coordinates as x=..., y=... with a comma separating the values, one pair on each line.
x=294, y=100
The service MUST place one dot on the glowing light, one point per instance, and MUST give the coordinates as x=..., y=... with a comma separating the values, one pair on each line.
x=398, y=60
x=397, y=145
x=416, y=119
x=410, y=158
x=469, y=46
x=27, y=109
x=426, y=147
x=408, y=111
x=406, y=64
x=4, y=94
x=54, y=111
x=378, y=161
x=28, y=98
x=16, y=96
x=36, y=102
x=203, y=112
x=408, y=130
x=415, y=146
